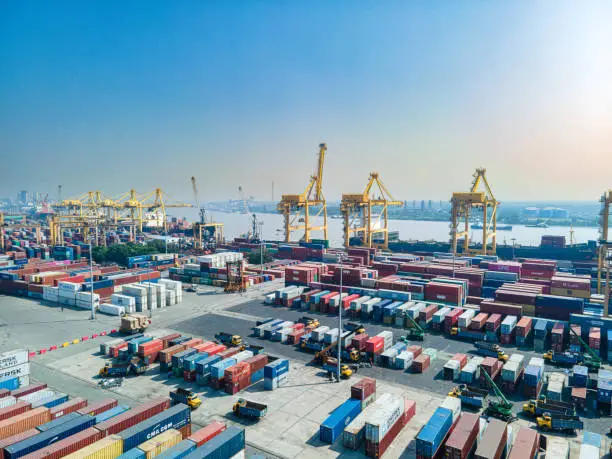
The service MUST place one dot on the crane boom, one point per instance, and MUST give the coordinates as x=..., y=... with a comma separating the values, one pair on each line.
x=201, y=211
x=319, y=192
x=496, y=389
x=594, y=356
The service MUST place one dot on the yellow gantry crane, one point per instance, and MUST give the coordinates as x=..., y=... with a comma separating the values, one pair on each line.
x=480, y=201
x=206, y=234
x=604, y=255
x=366, y=214
x=297, y=208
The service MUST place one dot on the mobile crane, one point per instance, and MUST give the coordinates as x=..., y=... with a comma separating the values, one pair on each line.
x=590, y=359
x=415, y=332
x=329, y=363
x=502, y=408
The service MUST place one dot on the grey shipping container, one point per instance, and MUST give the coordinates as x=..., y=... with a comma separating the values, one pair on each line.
x=49, y=437
x=493, y=441
x=223, y=446
x=174, y=418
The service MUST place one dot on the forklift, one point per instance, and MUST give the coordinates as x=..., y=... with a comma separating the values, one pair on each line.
x=415, y=332
x=502, y=408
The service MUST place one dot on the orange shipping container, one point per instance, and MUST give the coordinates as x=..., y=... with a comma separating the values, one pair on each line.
x=24, y=421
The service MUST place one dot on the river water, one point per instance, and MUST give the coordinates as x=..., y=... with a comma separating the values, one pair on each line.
x=238, y=224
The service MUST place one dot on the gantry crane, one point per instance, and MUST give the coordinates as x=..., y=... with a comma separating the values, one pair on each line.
x=604, y=255
x=462, y=206
x=366, y=214
x=156, y=203
x=296, y=208
x=243, y=200
x=206, y=234
x=23, y=224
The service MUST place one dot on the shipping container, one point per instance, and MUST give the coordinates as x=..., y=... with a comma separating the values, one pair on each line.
x=98, y=407
x=173, y=418
x=160, y=443
x=14, y=410
x=68, y=445
x=24, y=421
x=67, y=407
x=110, y=447
x=178, y=451
x=225, y=445
x=8, y=441
x=493, y=441
x=134, y=416
x=377, y=449
x=59, y=421
x=342, y=416
x=432, y=435
x=526, y=444
x=206, y=433
x=461, y=442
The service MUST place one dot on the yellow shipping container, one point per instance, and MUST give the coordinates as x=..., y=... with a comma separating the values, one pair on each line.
x=157, y=445
x=110, y=447
x=573, y=293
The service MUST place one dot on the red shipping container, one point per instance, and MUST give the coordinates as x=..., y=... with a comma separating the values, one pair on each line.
x=492, y=307
x=150, y=347
x=461, y=358
x=226, y=353
x=451, y=319
x=359, y=342
x=257, y=362
x=134, y=416
x=235, y=372
x=462, y=442
x=192, y=342
x=14, y=410
x=206, y=433
x=526, y=444
x=166, y=339
x=241, y=383
x=479, y=321
x=594, y=338
x=28, y=390
x=165, y=355
x=8, y=441
x=375, y=345
x=98, y=407
x=4, y=393
x=426, y=314
x=24, y=421
x=67, y=407
x=373, y=449
x=532, y=391
x=363, y=389
x=420, y=363
x=114, y=350
x=216, y=350
x=448, y=293
x=416, y=350
x=523, y=326
x=346, y=301
x=493, y=322
x=68, y=445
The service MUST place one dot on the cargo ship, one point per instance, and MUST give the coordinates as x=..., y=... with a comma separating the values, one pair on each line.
x=499, y=227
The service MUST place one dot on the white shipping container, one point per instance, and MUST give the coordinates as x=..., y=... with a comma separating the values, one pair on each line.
x=17, y=370
x=335, y=301
x=413, y=311
x=557, y=448
x=537, y=361
x=379, y=424
x=356, y=304
x=134, y=290
x=68, y=294
x=38, y=395
x=465, y=319
x=510, y=371
x=386, y=335
x=242, y=356
x=7, y=401
x=111, y=309
x=357, y=424
x=270, y=298
x=589, y=452
x=453, y=404
x=105, y=347
x=331, y=336
x=518, y=358
x=439, y=315
x=404, y=360
x=69, y=286
x=122, y=300
x=319, y=333
x=13, y=358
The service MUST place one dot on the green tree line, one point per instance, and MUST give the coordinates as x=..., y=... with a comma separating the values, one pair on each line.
x=119, y=253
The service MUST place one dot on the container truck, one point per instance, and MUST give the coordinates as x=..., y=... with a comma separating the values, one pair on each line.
x=540, y=407
x=247, y=409
x=134, y=323
x=229, y=339
x=491, y=350
x=470, y=397
x=562, y=358
x=559, y=423
x=185, y=396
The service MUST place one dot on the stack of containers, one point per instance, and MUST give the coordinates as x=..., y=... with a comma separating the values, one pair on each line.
x=359, y=341
x=591, y=446
x=276, y=374
x=556, y=337
x=462, y=441
x=465, y=319
x=471, y=371
x=257, y=364
x=492, y=326
x=580, y=376
x=341, y=417
x=139, y=294
x=512, y=372
x=451, y=319
x=421, y=363
x=67, y=292
x=557, y=448
x=609, y=335
x=479, y=321
x=354, y=433
x=217, y=372
x=355, y=306
x=556, y=383
x=381, y=429
x=493, y=441
x=453, y=367
x=604, y=388
x=595, y=339
x=540, y=335
x=438, y=318
x=14, y=369
x=492, y=367
x=237, y=378
x=331, y=336
x=387, y=358
x=165, y=357
x=523, y=330
x=404, y=360
x=426, y=315
x=365, y=391
x=431, y=437
x=575, y=345
x=508, y=326
x=204, y=369
x=533, y=378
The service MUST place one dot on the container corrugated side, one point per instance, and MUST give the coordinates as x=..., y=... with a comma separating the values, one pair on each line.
x=174, y=418
x=133, y=416
x=207, y=432
x=224, y=445
x=24, y=421
x=160, y=443
x=178, y=451
x=110, y=447
x=68, y=445
x=99, y=406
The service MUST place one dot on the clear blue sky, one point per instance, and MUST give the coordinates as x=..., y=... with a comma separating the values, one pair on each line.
x=116, y=94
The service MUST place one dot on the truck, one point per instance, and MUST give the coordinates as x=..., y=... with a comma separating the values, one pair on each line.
x=309, y=322
x=229, y=339
x=185, y=396
x=491, y=350
x=470, y=397
x=563, y=358
x=251, y=410
x=355, y=327
x=539, y=407
x=115, y=370
x=559, y=423
x=134, y=323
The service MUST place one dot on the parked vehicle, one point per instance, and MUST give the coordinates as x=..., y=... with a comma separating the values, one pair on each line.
x=134, y=323
x=185, y=396
x=247, y=409
x=470, y=397
x=113, y=370
x=229, y=339
x=491, y=350
x=559, y=423
x=539, y=407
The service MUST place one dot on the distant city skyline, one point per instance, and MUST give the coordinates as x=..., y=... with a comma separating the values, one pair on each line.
x=112, y=96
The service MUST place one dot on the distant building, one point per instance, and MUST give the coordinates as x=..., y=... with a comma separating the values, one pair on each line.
x=22, y=197
x=429, y=204
x=554, y=212
x=422, y=204
x=531, y=212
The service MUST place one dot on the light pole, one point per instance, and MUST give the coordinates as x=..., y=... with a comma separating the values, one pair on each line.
x=261, y=245
x=340, y=321
x=149, y=295
x=513, y=245
x=91, y=290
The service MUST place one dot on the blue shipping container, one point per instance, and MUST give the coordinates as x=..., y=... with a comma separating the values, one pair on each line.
x=116, y=411
x=189, y=362
x=218, y=369
x=604, y=391
x=57, y=422
x=9, y=384
x=49, y=437
x=134, y=343
x=174, y=418
x=342, y=416
x=257, y=376
x=432, y=434
x=564, y=302
x=203, y=366
x=177, y=359
x=178, y=451
x=57, y=399
x=226, y=444
x=134, y=453
x=132, y=337
x=533, y=374
x=276, y=368
x=590, y=438
x=179, y=340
